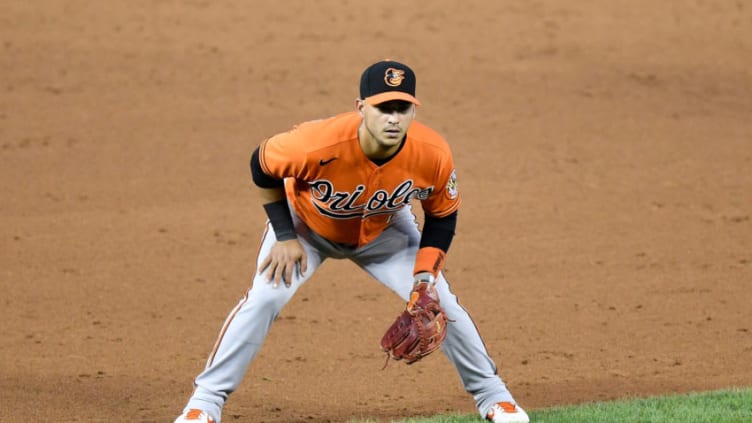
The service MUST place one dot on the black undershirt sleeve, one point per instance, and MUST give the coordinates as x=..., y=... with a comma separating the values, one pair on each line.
x=278, y=211
x=260, y=178
x=281, y=220
x=438, y=231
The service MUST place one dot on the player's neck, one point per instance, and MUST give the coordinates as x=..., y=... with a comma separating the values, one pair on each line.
x=373, y=149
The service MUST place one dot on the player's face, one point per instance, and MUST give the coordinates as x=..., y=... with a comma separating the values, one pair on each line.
x=384, y=126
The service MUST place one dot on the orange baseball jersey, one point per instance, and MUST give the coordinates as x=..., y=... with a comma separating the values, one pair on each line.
x=345, y=197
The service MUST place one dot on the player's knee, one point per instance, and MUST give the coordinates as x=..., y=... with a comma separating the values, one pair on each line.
x=270, y=297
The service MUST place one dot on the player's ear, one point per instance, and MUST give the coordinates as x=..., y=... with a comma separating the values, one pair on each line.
x=359, y=104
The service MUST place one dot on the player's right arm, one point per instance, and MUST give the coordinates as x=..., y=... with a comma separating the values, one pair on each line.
x=287, y=254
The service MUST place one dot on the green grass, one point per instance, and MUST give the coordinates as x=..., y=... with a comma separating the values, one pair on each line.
x=725, y=406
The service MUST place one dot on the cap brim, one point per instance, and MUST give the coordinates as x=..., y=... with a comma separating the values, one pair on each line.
x=391, y=95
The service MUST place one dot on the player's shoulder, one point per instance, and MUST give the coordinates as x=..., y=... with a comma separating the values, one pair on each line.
x=426, y=135
x=318, y=134
x=337, y=127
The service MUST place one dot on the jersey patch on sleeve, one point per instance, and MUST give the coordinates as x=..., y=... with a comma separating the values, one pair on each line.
x=451, y=187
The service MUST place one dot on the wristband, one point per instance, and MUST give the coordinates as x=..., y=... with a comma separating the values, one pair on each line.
x=429, y=259
x=281, y=220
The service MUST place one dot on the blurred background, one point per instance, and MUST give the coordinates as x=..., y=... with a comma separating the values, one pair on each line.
x=604, y=152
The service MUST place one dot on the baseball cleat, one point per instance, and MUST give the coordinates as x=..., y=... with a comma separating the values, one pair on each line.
x=507, y=412
x=194, y=416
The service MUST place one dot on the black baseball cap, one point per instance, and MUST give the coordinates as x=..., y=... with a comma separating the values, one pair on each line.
x=388, y=80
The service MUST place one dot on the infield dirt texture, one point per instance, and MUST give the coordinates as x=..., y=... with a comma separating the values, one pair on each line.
x=604, y=152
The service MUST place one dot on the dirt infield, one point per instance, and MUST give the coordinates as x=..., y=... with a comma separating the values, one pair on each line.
x=604, y=153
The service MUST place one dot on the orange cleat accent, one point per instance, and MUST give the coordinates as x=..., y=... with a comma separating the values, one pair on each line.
x=507, y=412
x=196, y=416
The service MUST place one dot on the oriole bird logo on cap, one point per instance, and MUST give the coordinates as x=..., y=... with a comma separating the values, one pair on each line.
x=394, y=77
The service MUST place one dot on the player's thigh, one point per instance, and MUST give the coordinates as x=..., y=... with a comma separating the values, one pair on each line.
x=390, y=258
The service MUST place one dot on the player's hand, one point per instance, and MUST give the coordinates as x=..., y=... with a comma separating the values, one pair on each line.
x=285, y=258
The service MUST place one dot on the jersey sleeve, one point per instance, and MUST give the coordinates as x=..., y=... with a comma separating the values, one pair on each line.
x=284, y=155
x=445, y=199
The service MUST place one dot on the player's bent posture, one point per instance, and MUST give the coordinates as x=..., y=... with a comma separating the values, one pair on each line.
x=341, y=188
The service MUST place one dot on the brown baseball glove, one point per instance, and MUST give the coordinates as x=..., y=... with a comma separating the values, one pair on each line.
x=420, y=329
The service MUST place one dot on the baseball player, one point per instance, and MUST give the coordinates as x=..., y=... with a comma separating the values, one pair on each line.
x=341, y=188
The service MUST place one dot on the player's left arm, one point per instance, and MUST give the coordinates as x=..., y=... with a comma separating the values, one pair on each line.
x=439, y=224
x=435, y=240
